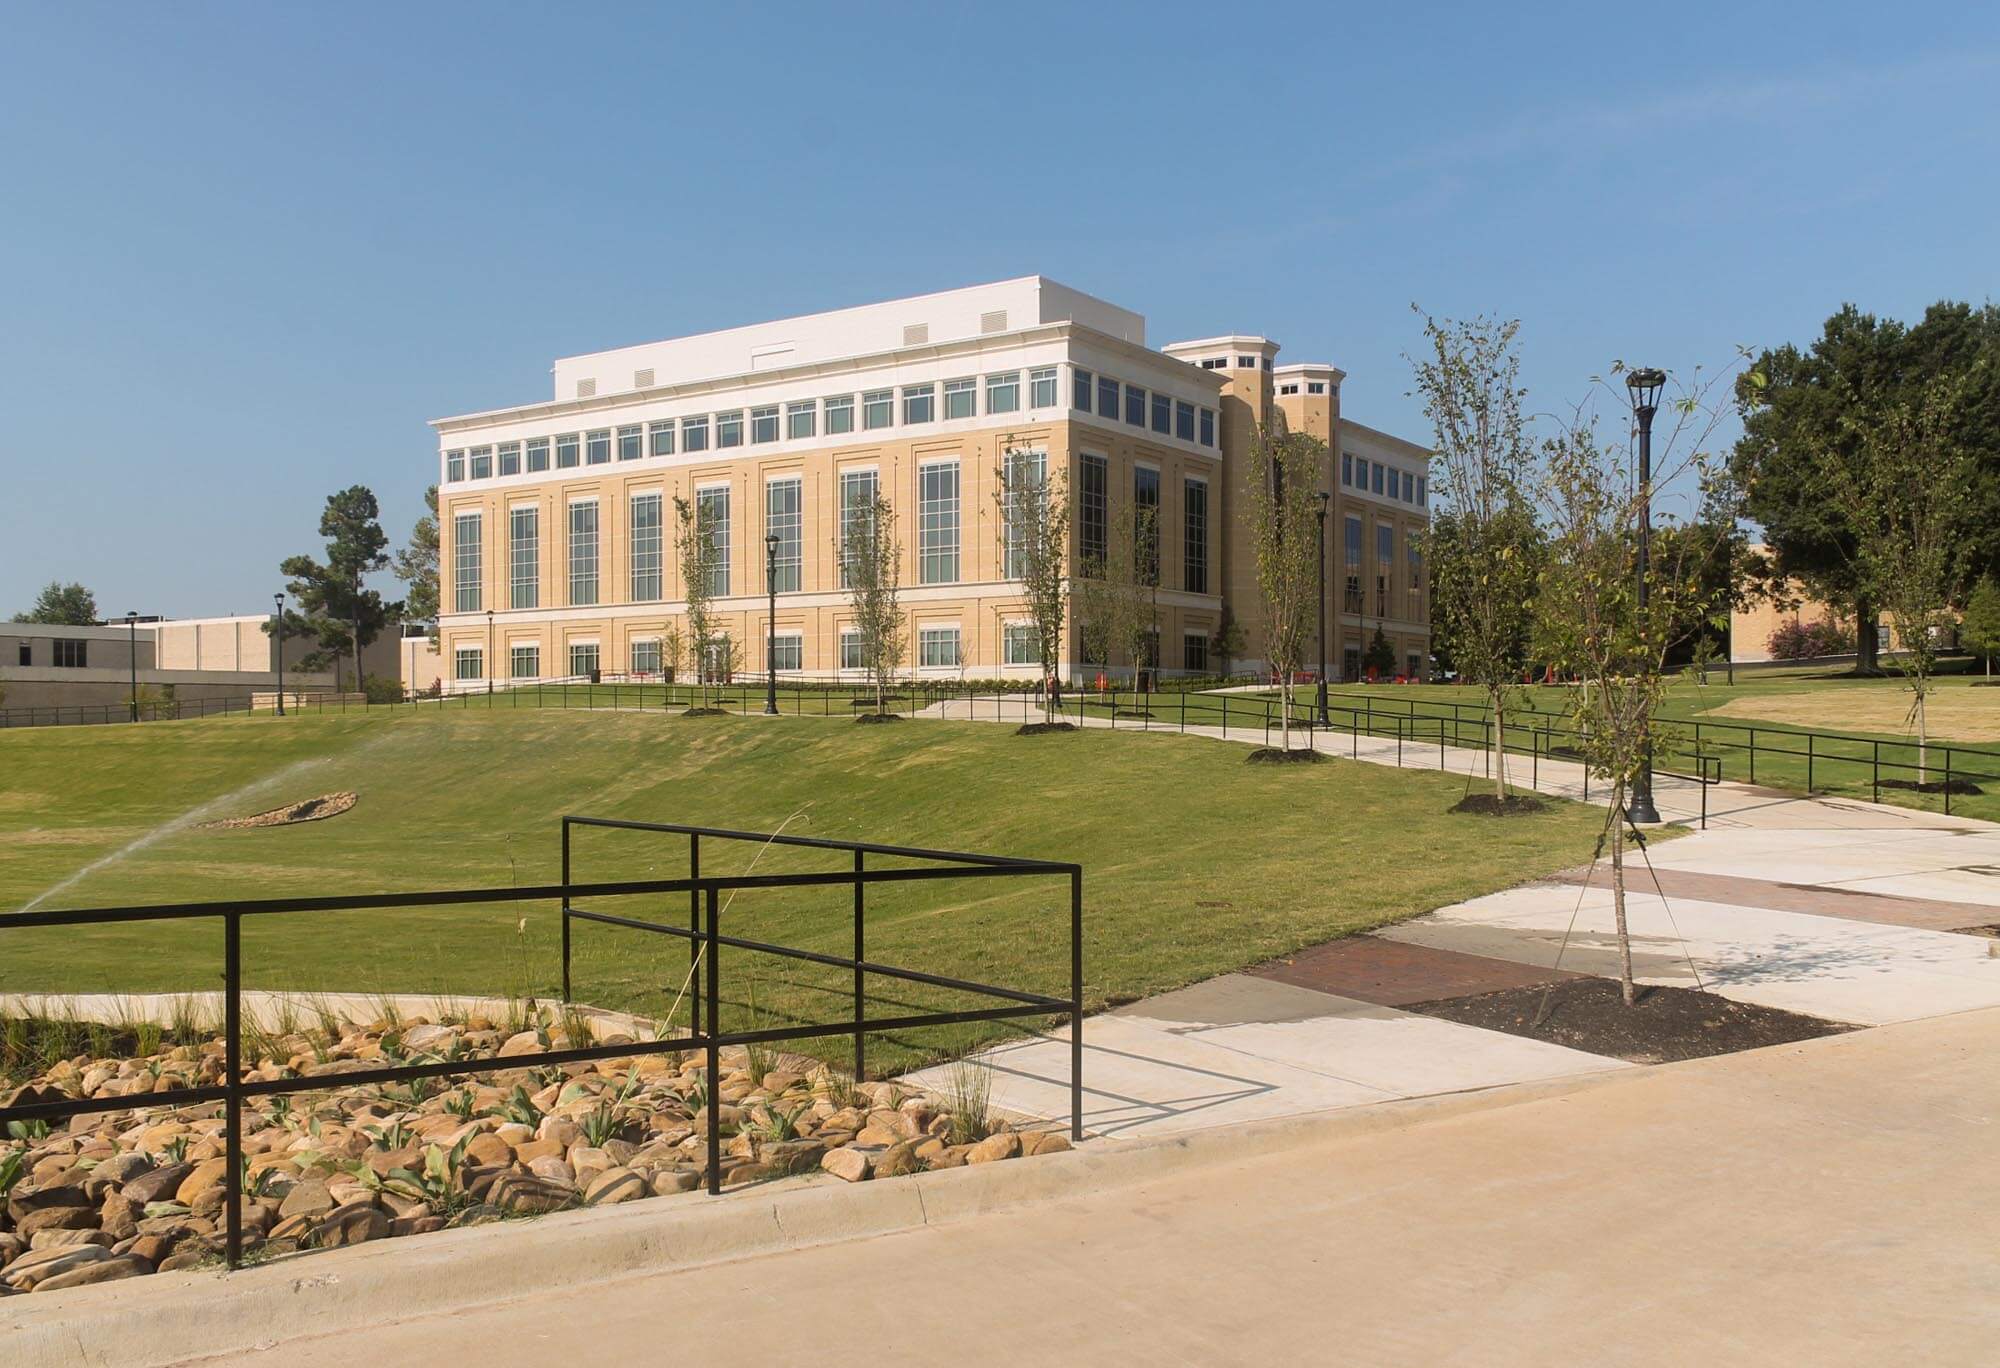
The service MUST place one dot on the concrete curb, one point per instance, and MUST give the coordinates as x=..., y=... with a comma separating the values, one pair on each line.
x=172, y=1318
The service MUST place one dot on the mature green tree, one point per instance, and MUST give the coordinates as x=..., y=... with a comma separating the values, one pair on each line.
x=1483, y=575
x=62, y=605
x=1796, y=439
x=1979, y=633
x=1380, y=656
x=1903, y=494
x=417, y=566
x=332, y=603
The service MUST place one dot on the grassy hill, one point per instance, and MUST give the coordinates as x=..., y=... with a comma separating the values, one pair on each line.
x=1196, y=863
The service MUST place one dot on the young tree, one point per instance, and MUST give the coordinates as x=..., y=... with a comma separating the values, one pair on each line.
x=1902, y=491
x=1483, y=573
x=700, y=564
x=673, y=647
x=417, y=567
x=874, y=562
x=1226, y=644
x=62, y=605
x=1139, y=620
x=1595, y=623
x=1284, y=534
x=1034, y=545
x=1980, y=631
x=1115, y=602
x=1380, y=655
x=334, y=605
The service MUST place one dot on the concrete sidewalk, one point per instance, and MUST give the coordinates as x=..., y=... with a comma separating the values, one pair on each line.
x=1827, y=907
x=1818, y=1204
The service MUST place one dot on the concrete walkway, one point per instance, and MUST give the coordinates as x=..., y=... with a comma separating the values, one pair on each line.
x=1816, y=1204
x=1833, y=908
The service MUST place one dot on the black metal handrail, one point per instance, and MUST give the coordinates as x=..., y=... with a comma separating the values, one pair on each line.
x=704, y=936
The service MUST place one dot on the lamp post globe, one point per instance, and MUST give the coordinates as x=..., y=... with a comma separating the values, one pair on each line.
x=771, y=624
x=1644, y=385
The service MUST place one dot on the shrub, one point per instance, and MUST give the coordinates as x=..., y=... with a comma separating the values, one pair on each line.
x=1804, y=641
x=379, y=690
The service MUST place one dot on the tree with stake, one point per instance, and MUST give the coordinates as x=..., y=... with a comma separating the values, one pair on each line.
x=1139, y=585
x=1980, y=631
x=1609, y=623
x=874, y=581
x=1284, y=534
x=1034, y=545
x=1483, y=572
x=700, y=565
x=1902, y=491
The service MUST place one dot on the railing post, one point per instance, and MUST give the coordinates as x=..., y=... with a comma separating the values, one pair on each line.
x=232, y=1065
x=1809, y=763
x=1753, y=755
x=714, y=1059
x=1535, y=765
x=565, y=909
x=1947, y=781
x=694, y=945
x=1875, y=773
x=860, y=985
x=1076, y=1004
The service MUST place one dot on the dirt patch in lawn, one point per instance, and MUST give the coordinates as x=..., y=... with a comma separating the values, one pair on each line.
x=1492, y=805
x=1956, y=714
x=307, y=810
x=1666, y=1024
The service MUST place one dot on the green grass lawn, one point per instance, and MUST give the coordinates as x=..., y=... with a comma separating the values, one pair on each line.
x=1195, y=862
x=1861, y=717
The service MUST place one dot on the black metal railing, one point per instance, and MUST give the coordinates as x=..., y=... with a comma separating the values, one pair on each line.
x=705, y=938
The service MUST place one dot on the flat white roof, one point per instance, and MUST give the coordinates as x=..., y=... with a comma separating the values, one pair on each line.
x=949, y=315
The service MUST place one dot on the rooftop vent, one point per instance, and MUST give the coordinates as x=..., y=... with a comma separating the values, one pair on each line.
x=585, y=388
x=642, y=379
x=993, y=322
x=916, y=334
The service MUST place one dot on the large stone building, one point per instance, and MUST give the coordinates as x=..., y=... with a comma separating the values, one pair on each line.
x=557, y=518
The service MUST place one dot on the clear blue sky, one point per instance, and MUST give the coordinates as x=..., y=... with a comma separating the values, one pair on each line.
x=249, y=249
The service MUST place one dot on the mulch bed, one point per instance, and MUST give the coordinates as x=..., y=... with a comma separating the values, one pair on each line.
x=1666, y=1024
x=307, y=810
x=879, y=717
x=706, y=712
x=1991, y=931
x=1934, y=785
x=1491, y=805
x=1042, y=728
x=1134, y=713
x=1274, y=755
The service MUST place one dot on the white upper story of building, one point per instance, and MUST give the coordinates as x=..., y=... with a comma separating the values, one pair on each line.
x=1027, y=351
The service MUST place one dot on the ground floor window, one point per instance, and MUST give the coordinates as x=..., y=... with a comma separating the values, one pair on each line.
x=1350, y=663
x=1194, y=652
x=850, y=651
x=468, y=662
x=583, y=658
x=645, y=657
x=524, y=662
x=1019, y=645
x=788, y=651
x=938, y=647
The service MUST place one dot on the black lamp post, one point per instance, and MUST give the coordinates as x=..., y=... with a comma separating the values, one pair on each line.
x=1645, y=388
x=1324, y=498
x=771, y=624
x=132, y=650
x=279, y=600
x=489, y=652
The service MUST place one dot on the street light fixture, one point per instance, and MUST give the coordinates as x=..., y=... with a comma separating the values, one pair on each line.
x=1324, y=499
x=489, y=652
x=1645, y=385
x=279, y=601
x=132, y=651
x=771, y=624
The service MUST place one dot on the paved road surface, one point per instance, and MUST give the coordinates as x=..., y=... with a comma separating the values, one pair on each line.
x=1828, y=1204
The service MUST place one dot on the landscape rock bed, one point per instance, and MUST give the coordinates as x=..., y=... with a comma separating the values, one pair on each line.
x=115, y=1195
